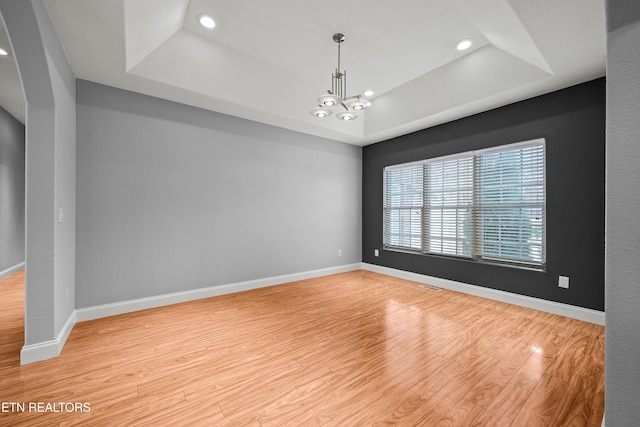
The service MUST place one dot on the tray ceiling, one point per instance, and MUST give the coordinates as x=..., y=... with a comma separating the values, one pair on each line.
x=269, y=61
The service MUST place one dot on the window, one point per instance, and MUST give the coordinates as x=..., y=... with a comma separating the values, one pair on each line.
x=485, y=205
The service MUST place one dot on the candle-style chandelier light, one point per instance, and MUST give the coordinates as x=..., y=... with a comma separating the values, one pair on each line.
x=337, y=95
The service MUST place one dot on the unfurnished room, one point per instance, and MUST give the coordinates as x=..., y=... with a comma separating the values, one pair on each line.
x=287, y=213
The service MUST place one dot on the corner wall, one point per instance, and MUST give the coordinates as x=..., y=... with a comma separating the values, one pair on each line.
x=49, y=87
x=622, y=344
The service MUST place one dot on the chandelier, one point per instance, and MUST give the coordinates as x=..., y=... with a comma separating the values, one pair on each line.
x=337, y=95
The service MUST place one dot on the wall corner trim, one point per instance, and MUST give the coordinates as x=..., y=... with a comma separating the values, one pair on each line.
x=579, y=313
x=9, y=271
x=106, y=310
x=48, y=349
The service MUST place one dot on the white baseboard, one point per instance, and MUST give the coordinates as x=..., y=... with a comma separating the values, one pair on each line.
x=48, y=349
x=580, y=313
x=106, y=310
x=9, y=271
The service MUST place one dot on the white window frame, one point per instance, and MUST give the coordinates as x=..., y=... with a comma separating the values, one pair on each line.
x=456, y=242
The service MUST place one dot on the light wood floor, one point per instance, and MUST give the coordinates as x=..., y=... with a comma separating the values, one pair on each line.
x=351, y=349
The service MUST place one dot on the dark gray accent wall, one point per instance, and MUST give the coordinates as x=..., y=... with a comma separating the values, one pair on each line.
x=173, y=198
x=573, y=123
x=622, y=267
x=11, y=191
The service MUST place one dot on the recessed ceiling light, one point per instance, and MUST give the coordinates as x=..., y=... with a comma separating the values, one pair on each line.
x=464, y=44
x=368, y=93
x=3, y=52
x=206, y=21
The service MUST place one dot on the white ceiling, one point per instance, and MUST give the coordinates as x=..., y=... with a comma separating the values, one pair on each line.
x=268, y=61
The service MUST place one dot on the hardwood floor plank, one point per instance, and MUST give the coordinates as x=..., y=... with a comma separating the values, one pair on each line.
x=361, y=379
x=503, y=409
x=597, y=403
x=543, y=402
x=575, y=353
x=395, y=381
x=488, y=388
x=460, y=415
x=357, y=348
x=576, y=407
x=395, y=411
x=538, y=363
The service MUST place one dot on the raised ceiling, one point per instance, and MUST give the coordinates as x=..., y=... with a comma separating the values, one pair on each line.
x=268, y=61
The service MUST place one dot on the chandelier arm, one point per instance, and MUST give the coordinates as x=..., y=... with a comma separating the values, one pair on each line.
x=344, y=88
x=334, y=83
x=339, y=43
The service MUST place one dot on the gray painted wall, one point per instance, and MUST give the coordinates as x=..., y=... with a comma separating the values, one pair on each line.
x=11, y=191
x=173, y=198
x=49, y=87
x=622, y=269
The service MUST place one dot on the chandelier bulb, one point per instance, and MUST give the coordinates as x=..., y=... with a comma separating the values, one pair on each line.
x=347, y=115
x=320, y=112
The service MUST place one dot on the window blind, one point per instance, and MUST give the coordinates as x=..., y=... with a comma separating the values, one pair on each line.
x=486, y=205
x=403, y=200
x=448, y=206
x=510, y=204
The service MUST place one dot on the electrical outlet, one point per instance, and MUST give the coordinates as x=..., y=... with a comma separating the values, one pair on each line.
x=60, y=215
x=563, y=282
x=339, y=252
x=376, y=252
